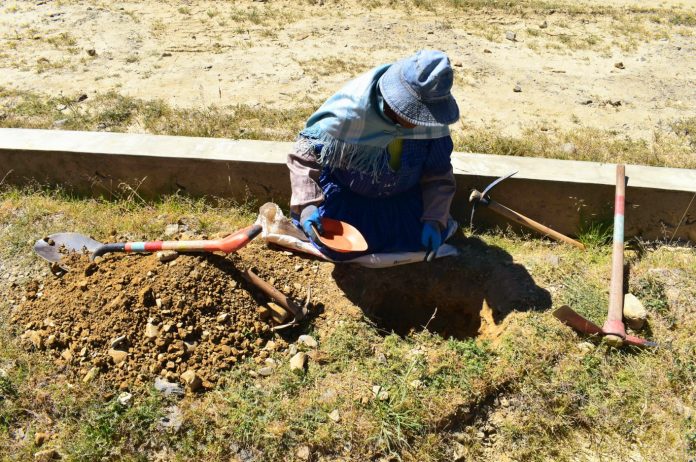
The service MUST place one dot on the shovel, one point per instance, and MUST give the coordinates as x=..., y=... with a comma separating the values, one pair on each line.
x=55, y=246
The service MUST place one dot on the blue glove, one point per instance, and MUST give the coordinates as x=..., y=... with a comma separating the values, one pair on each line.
x=308, y=218
x=431, y=237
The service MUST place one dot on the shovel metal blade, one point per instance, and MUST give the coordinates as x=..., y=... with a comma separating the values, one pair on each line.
x=569, y=317
x=55, y=246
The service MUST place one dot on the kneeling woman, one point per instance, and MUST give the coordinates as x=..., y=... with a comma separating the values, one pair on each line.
x=377, y=156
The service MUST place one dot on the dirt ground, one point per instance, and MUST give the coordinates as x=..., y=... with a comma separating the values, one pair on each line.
x=132, y=318
x=628, y=70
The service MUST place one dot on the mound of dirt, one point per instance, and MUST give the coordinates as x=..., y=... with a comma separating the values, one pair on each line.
x=131, y=318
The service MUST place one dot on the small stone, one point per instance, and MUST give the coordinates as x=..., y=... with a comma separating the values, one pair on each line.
x=91, y=375
x=634, y=312
x=480, y=435
x=151, y=331
x=222, y=317
x=166, y=55
x=51, y=341
x=168, y=388
x=45, y=456
x=619, y=65
x=173, y=420
x=487, y=51
x=40, y=438
x=335, y=415
x=92, y=52
x=517, y=89
x=416, y=384
x=586, y=348
x=292, y=350
x=171, y=229
x=569, y=148
x=308, y=341
x=117, y=341
x=164, y=256
x=35, y=338
x=270, y=346
x=303, y=453
x=118, y=356
x=67, y=355
x=380, y=393
x=504, y=402
x=509, y=35
x=191, y=379
x=458, y=64
x=124, y=398
x=543, y=25
x=266, y=371
x=298, y=362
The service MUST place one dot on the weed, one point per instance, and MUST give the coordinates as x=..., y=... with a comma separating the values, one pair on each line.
x=64, y=39
x=596, y=232
x=184, y=10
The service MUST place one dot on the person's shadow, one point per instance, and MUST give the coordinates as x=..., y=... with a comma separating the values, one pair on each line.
x=472, y=292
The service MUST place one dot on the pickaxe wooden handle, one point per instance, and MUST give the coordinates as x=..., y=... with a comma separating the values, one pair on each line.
x=478, y=197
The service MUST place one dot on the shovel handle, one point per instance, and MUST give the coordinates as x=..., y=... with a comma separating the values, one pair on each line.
x=231, y=243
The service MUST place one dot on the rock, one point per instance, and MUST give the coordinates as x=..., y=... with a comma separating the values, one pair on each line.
x=509, y=35
x=48, y=454
x=35, y=338
x=634, y=312
x=543, y=25
x=303, y=453
x=191, y=379
x=266, y=371
x=92, y=52
x=124, y=399
x=380, y=393
x=486, y=50
x=298, y=362
x=60, y=122
x=569, y=148
x=171, y=229
x=619, y=65
x=146, y=296
x=67, y=355
x=151, y=331
x=168, y=388
x=278, y=313
x=222, y=317
x=517, y=88
x=308, y=341
x=335, y=415
x=40, y=438
x=164, y=256
x=586, y=348
x=416, y=384
x=118, y=356
x=459, y=452
x=51, y=341
x=117, y=341
x=81, y=98
x=173, y=420
x=91, y=375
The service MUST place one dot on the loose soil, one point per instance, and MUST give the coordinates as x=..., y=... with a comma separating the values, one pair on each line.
x=282, y=54
x=130, y=318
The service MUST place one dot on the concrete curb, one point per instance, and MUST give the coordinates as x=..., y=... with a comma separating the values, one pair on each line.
x=558, y=193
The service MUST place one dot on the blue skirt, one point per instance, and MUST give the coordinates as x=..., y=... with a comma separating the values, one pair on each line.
x=389, y=224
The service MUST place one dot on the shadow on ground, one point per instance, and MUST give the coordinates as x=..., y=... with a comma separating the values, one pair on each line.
x=473, y=292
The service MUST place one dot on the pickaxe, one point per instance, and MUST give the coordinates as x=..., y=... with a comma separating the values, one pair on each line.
x=483, y=198
x=613, y=330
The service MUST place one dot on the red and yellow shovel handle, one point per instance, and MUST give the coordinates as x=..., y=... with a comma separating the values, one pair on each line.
x=231, y=243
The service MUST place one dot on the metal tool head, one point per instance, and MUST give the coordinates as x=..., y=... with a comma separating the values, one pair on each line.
x=482, y=197
x=55, y=246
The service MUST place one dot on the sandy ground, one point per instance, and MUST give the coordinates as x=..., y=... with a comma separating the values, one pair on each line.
x=281, y=53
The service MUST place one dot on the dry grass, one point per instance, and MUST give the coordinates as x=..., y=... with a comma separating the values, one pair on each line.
x=530, y=391
x=671, y=147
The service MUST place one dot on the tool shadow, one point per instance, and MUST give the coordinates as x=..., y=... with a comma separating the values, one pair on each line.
x=461, y=297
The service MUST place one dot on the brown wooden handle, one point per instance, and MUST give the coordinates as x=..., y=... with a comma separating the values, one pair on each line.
x=273, y=293
x=529, y=223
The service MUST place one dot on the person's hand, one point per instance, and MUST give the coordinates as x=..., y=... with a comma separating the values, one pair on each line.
x=431, y=237
x=310, y=218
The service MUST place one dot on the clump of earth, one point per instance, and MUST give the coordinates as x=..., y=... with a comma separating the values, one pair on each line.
x=131, y=318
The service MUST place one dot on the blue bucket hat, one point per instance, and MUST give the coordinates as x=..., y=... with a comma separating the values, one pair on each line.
x=418, y=89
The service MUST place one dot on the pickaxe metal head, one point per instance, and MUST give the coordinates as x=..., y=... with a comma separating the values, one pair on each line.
x=477, y=197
